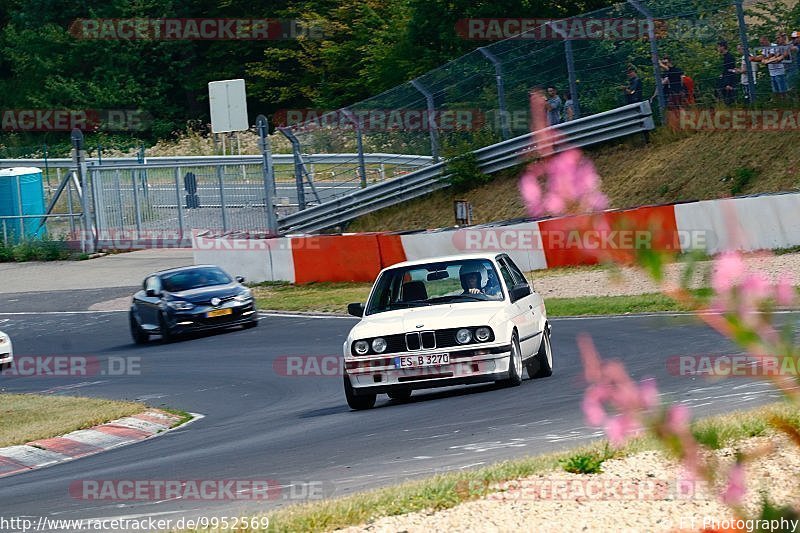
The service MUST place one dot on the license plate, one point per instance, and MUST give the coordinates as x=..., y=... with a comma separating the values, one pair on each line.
x=219, y=312
x=416, y=361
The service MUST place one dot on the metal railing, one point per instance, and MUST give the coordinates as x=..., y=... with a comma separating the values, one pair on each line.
x=594, y=129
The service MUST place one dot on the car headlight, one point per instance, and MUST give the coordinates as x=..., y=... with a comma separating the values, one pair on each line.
x=180, y=305
x=3, y=339
x=483, y=334
x=379, y=345
x=244, y=296
x=361, y=347
x=463, y=336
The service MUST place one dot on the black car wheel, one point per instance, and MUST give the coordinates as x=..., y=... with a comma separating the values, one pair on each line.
x=539, y=366
x=359, y=403
x=514, y=364
x=4, y=367
x=251, y=324
x=137, y=333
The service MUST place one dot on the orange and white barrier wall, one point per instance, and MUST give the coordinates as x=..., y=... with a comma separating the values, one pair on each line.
x=747, y=224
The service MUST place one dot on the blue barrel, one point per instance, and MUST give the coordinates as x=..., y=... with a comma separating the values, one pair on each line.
x=21, y=193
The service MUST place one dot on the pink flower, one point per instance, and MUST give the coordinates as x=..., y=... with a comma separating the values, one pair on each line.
x=736, y=488
x=728, y=269
x=648, y=392
x=784, y=291
x=677, y=419
x=620, y=427
x=592, y=405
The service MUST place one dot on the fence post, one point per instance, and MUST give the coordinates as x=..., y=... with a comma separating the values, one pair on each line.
x=362, y=167
x=573, y=81
x=431, y=119
x=298, y=167
x=221, y=181
x=505, y=130
x=269, y=174
x=179, y=201
x=87, y=242
x=651, y=36
x=751, y=86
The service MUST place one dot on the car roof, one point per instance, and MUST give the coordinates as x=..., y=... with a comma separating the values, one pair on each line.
x=180, y=269
x=440, y=259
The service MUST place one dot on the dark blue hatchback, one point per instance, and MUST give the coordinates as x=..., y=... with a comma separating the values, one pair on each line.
x=181, y=300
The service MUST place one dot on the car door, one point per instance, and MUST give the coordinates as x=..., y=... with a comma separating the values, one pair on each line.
x=528, y=308
x=149, y=302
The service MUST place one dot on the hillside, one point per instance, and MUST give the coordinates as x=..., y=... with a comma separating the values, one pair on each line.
x=673, y=167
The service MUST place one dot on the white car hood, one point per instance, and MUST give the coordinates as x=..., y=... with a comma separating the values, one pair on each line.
x=427, y=318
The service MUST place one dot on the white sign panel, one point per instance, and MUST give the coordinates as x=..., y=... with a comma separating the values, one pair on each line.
x=228, y=103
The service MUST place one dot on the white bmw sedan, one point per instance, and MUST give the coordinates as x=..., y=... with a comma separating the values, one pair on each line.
x=6, y=351
x=445, y=321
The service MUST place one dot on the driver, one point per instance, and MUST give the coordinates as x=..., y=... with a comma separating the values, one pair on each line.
x=473, y=278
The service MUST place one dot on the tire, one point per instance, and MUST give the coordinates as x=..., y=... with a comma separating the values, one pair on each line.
x=252, y=324
x=400, y=395
x=166, y=334
x=137, y=333
x=514, y=364
x=357, y=403
x=4, y=367
x=541, y=364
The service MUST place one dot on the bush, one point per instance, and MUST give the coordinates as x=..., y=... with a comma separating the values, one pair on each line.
x=40, y=250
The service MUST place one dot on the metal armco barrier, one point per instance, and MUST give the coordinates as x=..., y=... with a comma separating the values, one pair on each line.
x=594, y=129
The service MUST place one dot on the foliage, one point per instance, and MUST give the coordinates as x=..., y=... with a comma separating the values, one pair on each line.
x=740, y=178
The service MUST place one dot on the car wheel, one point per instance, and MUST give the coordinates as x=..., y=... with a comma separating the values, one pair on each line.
x=359, y=403
x=514, y=364
x=541, y=364
x=400, y=395
x=251, y=324
x=139, y=335
x=166, y=334
x=4, y=367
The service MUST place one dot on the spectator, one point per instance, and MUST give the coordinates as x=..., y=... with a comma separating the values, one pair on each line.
x=790, y=57
x=633, y=91
x=569, y=107
x=688, y=89
x=745, y=82
x=727, y=79
x=674, y=90
x=772, y=55
x=553, y=107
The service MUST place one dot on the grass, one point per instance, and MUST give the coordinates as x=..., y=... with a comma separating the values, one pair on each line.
x=310, y=297
x=674, y=167
x=39, y=250
x=449, y=489
x=334, y=297
x=27, y=417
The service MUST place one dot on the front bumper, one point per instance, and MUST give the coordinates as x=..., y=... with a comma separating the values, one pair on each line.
x=196, y=320
x=6, y=353
x=477, y=364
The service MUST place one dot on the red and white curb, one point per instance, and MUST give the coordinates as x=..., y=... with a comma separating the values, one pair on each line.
x=46, y=452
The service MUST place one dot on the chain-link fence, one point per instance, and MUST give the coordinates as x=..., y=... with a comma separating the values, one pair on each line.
x=483, y=96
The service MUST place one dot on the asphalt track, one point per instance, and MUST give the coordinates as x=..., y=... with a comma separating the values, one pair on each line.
x=297, y=430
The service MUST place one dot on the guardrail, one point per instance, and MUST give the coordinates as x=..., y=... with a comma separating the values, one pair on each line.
x=594, y=129
x=188, y=161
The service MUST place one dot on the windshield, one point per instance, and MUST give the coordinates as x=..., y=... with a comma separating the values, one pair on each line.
x=470, y=280
x=194, y=279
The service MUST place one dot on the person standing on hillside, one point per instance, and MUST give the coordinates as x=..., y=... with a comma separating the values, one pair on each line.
x=553, y=107
x=745, y=81
x=633, y=91
x=726, y=90
x=674, y=91
x=772, y=55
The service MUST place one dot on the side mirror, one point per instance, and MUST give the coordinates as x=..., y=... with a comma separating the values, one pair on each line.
x=356, y=309
x=519, y=292
x=151, y=293
x=240, y=279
